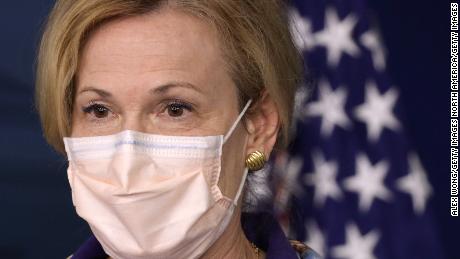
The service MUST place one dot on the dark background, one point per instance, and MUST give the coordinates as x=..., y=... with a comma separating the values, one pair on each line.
x=37, y=219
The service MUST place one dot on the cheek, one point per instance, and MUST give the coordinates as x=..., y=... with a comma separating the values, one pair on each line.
x=77, y=128
x=75, y=125
x=80, y=127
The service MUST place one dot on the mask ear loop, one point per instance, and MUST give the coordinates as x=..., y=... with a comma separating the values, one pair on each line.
x=229, y=133
x=240, y=189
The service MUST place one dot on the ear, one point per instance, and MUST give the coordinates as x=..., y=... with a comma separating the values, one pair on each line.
x=262, y=124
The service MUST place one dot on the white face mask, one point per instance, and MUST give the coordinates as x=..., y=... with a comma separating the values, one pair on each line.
x=151, y=196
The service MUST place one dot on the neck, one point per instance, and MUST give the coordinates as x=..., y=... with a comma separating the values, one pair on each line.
x=233, y=242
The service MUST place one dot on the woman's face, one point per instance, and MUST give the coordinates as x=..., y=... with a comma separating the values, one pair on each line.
x=159, y=73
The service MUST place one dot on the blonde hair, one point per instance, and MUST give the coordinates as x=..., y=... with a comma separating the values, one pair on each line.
x=254, y=35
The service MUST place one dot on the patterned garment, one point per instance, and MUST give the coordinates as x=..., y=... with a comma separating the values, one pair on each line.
x=260, y=228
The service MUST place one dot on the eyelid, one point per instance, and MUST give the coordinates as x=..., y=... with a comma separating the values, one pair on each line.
x=88, y=112
x=93, y=103
x=188, y=106
x=185, y=105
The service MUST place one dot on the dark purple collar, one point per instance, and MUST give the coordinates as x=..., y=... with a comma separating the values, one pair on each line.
x=91, y=249
x=260, y=228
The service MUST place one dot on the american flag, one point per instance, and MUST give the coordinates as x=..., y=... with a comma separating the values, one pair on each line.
x=354, y=182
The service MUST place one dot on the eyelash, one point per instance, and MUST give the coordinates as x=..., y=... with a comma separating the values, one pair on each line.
x=93, y=106
x=177, y=104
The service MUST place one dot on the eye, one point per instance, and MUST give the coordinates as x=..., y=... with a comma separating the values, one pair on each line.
x=176, y=108
x=98, y=110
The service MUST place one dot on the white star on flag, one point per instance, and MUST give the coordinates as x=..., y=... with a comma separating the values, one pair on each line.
x=377, y=111
x=301, y=30
x=331, y=107
x=357, y=246
x=316, y=239
x=301, y=97
x=290, y=184
x=372, y=41
x=416, y=184
x=337, y=37
x=368, y=182
x=323, y=179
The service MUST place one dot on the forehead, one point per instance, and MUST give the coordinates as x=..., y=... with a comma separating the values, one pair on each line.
x=163, y=42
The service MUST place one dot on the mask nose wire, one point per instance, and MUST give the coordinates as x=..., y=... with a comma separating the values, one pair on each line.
x=230, y=131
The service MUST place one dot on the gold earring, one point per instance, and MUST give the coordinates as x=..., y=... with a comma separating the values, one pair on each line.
x=255, y=161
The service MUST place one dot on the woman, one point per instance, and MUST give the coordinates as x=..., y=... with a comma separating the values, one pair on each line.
x=162, y=107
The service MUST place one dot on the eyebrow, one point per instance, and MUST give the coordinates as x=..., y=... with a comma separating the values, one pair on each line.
x=162, y=89
x=100, y=92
